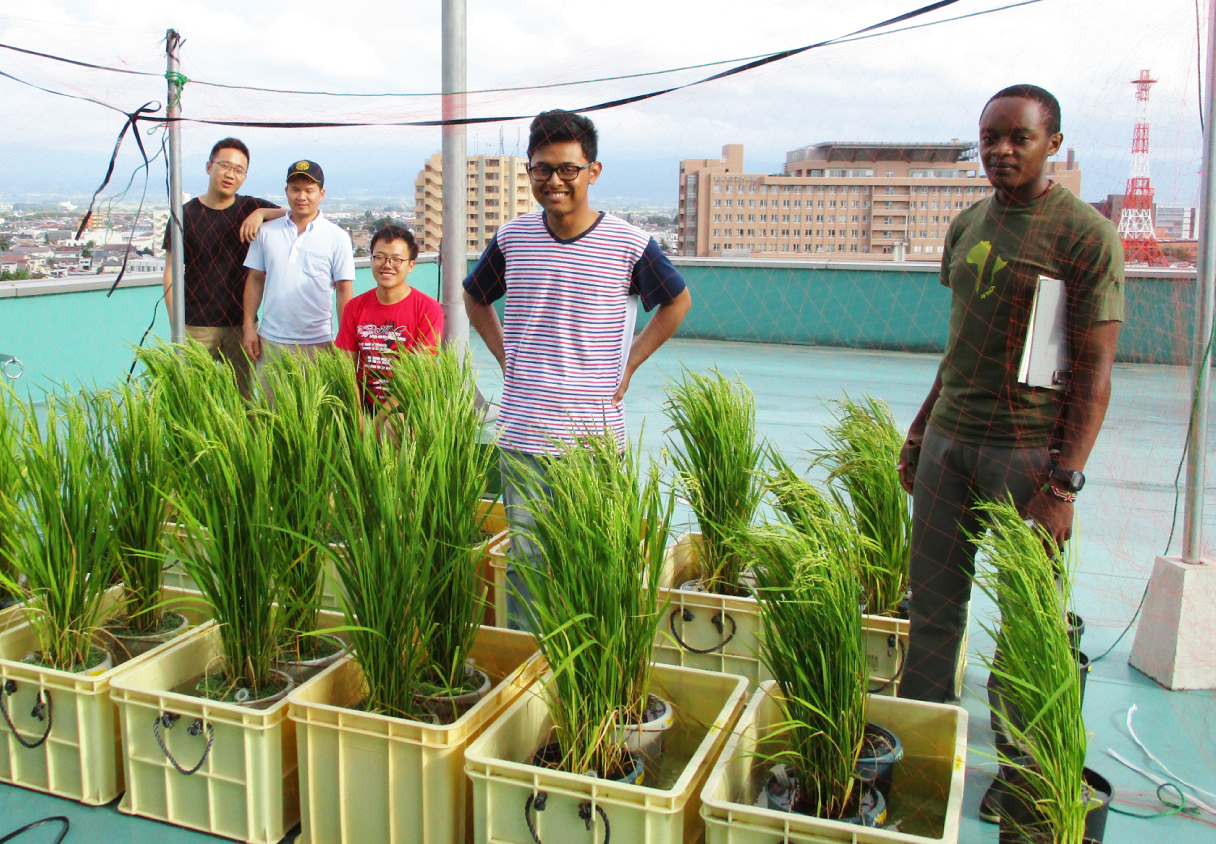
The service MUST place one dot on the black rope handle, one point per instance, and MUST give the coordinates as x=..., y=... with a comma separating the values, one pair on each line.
x=687, y=615
x=167, y=720
x=538, y=802
x=893, y=642
x=10, y=688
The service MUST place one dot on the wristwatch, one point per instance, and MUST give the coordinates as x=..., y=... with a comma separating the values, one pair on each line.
x=1068, y=480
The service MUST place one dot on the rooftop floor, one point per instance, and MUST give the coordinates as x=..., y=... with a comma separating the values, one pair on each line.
x=1124, y=521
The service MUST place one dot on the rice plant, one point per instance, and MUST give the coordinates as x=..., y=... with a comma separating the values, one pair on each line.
x=302, y=424
x=384, y=562
x=236, y=545
x=718, y=465
x=60, y=520
x=601, y=536
x=1037, y=669
x=823, y=518
x=12, y=416
x=434, y=408
x=140, y=458
x=862, y=450
x=813, y=645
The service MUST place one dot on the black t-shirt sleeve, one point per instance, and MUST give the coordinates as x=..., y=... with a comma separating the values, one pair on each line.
x=655, y=278
x=262, y=203
x=488, y=280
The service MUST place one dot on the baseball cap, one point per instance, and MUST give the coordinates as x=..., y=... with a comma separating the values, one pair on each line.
x=311, y=169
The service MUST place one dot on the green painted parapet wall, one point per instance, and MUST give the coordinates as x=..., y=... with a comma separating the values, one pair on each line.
x=895, y=307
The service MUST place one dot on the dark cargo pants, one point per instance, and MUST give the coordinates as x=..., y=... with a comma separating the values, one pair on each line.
x=950, y=478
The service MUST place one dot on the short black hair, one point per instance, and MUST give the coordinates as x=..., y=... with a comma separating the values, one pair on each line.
x=1051, y=106
x=230, y=143
x=390, y=233
x=559, y=127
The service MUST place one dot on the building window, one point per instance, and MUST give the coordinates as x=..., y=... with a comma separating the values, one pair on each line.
x=717, y=218
x=751, y=232
x=751, y=218
x=717, y=203
x=717, y=232
x=751, y=203
x=797, y=218
x=916, y=248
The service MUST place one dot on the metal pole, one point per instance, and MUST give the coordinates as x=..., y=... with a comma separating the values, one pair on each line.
x=1205, y=306
x=452, y=248
x=177, y=316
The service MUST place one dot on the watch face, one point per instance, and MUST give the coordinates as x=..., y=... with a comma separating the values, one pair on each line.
x=1073, y=480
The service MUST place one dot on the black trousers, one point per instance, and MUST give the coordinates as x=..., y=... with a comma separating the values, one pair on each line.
x=950, y=478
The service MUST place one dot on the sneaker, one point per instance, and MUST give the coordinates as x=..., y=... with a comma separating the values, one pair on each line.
x=990, y=806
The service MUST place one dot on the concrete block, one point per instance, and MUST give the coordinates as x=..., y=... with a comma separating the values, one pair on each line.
x=1176, y=639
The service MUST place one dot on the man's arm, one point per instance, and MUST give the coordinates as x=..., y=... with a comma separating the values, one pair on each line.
x=255, y=284
x=484, y=320
x=657, y=332
x=251, y=224
x=168, y=283
x=909, y=453
x=1081, y=418
x=345, y=291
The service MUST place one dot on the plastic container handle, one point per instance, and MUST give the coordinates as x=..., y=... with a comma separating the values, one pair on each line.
x=898, y=646
x=10, y=688
x=687, y=615
x=167, y=720
x=539, y=800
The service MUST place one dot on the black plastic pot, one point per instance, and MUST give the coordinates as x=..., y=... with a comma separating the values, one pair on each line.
x=880, y=751
x=1076, y=629
x=1021, y=824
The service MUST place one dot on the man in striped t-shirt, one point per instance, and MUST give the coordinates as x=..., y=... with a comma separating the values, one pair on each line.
x=572, y=277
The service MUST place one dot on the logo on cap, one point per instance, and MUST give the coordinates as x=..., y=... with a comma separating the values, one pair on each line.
x=301, y=165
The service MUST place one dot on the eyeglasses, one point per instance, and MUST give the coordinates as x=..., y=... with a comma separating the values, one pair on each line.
x=235, y=169
x=565, y=172
x=392, y=261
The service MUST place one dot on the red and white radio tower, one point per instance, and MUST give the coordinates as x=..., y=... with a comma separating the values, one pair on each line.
x=1140, y=244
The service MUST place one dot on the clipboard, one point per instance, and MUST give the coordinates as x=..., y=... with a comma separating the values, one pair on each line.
x=1045, y=356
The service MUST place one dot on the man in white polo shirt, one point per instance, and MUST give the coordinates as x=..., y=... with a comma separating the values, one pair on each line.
x=294, y=264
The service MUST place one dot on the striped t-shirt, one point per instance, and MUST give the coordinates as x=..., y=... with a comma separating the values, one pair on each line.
x=569, y=317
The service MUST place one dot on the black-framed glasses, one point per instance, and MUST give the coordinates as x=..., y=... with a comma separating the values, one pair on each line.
x=225, y=167
x=565, y=172
x=393, y=261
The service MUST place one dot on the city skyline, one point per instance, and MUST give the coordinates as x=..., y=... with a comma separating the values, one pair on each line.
x=924, y=85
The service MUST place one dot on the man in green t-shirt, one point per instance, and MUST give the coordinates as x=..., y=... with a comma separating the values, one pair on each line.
x=981, y=434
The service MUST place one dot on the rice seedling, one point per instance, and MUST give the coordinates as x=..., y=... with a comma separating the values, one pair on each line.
x=862, y=450
x=594, y=618
x=814, y=648
x=435, y=409
x=140, y=458
x=1034, y=663
x=59, y=515
x=717, y=464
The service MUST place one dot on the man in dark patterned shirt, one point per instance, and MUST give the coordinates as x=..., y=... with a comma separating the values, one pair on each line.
x=216, y=230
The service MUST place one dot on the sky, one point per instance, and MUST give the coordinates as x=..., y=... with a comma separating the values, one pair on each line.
x=925, y=84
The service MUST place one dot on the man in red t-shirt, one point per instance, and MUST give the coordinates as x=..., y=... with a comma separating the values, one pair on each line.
x=393, y=318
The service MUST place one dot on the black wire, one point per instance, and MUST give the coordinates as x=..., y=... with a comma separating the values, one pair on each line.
x=147, y=168
x=642, y=74
x=51, y=819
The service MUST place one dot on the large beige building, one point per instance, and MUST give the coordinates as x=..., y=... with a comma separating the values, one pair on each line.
x=851, y=201
x=498, y=190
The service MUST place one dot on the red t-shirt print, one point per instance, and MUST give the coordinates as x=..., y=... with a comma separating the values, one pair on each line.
x=376, y=332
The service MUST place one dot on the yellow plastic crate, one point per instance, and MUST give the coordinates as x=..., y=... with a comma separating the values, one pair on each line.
x=76, y=749
x=246, y=785
x=690, y=636
x=373, y=779
x=506, y=787
x=935, y=755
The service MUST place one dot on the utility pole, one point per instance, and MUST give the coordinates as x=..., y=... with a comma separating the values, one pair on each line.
x=177, y=316
x=453, y=251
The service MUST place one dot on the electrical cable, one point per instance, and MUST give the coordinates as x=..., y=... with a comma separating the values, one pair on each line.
x=67, y=825
x=545, y=86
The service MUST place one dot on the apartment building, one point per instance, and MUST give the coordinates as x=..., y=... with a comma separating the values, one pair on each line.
x=498, y=190
x=838, y=201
